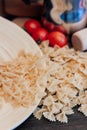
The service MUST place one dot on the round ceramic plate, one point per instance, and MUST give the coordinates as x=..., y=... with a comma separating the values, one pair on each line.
x=12, y=40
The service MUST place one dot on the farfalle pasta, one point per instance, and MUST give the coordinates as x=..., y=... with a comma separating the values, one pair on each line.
x=19, y=80
x=66, y=83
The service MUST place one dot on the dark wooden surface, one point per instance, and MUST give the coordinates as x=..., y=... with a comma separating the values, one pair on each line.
x=77, y=121
x=19, y=8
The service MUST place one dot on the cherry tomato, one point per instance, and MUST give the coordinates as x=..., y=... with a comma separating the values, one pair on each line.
x=60, y=28
x=57, y=38
x=31, y=25
x=48, y=25
x=39, y=34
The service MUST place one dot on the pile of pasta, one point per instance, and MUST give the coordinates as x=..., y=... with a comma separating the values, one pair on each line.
x=19, y=80
x=65, y=82
x=58, y=79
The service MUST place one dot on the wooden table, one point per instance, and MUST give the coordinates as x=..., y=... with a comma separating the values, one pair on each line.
x=77, y=121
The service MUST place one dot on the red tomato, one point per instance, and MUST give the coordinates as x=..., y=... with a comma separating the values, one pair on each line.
x=60, y=28
x=31, y=25
x=48, y=25
x=57, y=38
x=39, y=34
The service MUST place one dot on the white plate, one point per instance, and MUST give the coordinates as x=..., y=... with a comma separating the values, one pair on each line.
x=12, y=40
